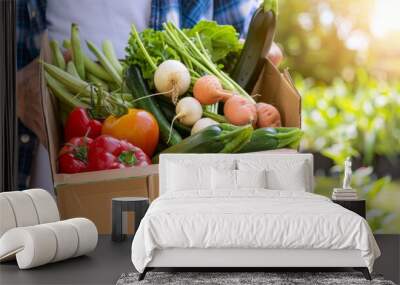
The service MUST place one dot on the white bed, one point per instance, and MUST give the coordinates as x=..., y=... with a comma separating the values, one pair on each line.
x=201, y=220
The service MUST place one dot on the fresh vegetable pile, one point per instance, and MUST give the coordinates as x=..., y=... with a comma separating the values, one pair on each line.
x=174, y=93
x=102, y=129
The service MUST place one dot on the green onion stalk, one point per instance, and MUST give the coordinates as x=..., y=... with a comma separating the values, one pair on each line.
x=195, y=57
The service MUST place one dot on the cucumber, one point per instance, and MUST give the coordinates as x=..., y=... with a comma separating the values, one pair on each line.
x=258, y=42
x=138, y=87
x=214, y=139
x=201, y=142
x=273, y=138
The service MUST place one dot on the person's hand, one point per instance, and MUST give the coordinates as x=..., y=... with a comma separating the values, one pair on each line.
x=29, y=104
x=275, y=54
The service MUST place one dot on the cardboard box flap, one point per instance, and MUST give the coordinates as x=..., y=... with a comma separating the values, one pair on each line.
x=50, y=109
x=105, y=175
x=277, y=89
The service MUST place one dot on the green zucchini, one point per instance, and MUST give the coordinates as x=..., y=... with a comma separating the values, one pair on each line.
x=214, y=139
x=258, y=42
x=273, y=138
x=138, y=87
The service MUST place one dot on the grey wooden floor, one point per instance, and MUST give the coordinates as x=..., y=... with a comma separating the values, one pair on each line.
x=102, y=266
x=110, y=260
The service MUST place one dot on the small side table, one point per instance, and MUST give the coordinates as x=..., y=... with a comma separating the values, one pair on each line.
x=356, y=206
x=120, y=205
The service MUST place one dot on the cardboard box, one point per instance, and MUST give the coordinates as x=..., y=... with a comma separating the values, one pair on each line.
x=89, y=194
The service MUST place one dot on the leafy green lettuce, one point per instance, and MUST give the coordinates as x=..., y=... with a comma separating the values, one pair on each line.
x=159, y=51
x=221, y=42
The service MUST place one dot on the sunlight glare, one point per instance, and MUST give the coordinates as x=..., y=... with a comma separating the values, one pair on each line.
x=385, y=17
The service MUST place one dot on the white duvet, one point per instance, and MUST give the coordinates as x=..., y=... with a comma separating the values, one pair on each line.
x=250, y=219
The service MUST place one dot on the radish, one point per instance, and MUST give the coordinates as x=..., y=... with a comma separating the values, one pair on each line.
x=240, y=111
x=208, y=90
x=202, y=124
x=172, y=78
x=188, y=111
x=268, y=116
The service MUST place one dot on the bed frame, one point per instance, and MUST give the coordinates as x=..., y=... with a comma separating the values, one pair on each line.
x=260, y=259
x=246, y=259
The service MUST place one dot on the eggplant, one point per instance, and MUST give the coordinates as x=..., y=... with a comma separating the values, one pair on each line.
x=258, y=42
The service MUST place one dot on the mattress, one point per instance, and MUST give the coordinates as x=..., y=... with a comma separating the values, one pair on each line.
x=250, y=219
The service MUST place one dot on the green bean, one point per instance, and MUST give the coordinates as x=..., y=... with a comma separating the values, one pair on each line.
x=67, y=44
x=71, y=69
x=62, y=93
x=109, y=52
x=72, y=83
x=96, y=69
x=100, y=83
x=90, y=65
x=57, y=56
x=77, y=53
x=105, y=63
x=87, y=92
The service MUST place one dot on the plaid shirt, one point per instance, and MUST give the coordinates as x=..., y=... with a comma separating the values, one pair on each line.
x=31, y=22
x=186, y=14
x=31, y=19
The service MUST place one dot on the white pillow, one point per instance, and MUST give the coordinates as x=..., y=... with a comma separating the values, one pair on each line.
x=293, y=180
x=282, y=174
x=230, y=180
x=182, y=177
x=251, y=178
x=223, y=179
x=187, y=175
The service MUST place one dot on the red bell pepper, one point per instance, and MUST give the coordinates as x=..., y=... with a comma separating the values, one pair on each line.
x=73, y=156
x=79, y=124
x=109, y=153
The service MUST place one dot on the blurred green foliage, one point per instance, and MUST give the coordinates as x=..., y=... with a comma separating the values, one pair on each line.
x=383, y=213
x=319, y=36
x=351, y=119
x=350, y=86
